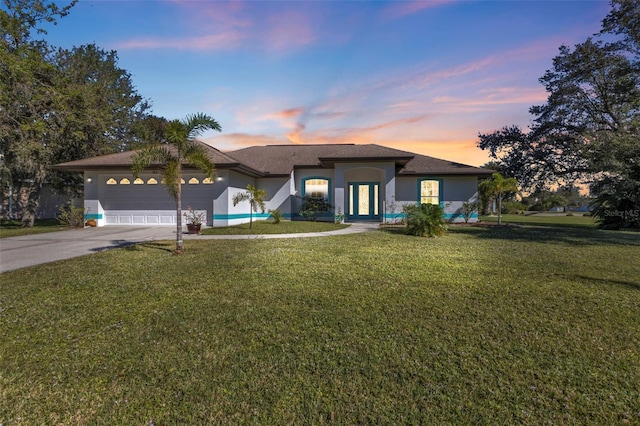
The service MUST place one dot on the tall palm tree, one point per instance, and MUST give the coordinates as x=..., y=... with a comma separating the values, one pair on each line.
x=497, y=186
x=181, y=148
x=256, y=200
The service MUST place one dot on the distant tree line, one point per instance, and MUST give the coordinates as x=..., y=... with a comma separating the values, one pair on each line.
x=59, y=105
x=588, y=131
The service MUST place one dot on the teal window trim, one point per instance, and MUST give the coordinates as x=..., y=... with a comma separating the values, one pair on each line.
x=304, y=186
x=440, y=189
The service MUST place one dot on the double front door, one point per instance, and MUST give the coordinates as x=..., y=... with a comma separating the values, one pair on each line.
x=364, y=201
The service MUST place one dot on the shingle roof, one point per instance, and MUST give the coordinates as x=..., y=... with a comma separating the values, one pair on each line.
x=282, y=159
x=123, y=159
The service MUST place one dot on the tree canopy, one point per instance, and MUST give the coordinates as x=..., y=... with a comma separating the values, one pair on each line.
x=588, y=130
x=58, y=105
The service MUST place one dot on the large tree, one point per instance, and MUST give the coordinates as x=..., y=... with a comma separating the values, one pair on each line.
x=180, y=148
x=588, y=130
x=57, y=105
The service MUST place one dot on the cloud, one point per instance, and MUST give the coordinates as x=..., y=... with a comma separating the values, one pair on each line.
x=222, y=41
x=232, y=141
x=399, y=9
x=287, y=30
x=286, y=113
x=216, y=26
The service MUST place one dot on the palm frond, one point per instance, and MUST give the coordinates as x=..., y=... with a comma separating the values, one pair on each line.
x=147, y=156
x=197, y=123
x=240, y=197
x=196, y=155
x=176, y=133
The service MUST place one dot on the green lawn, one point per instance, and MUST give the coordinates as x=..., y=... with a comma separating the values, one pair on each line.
x=12, y=228
x=268, y=227
x=546, y=219
x=487, y=325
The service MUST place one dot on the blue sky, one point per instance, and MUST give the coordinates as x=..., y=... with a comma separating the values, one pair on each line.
x=423, y=76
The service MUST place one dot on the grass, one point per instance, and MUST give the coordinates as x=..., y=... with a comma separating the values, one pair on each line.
x=545, y=219
x=14, y=228
x=531, y=325
x=268, y=227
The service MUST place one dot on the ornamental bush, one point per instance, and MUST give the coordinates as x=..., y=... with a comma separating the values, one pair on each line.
x=425, y=220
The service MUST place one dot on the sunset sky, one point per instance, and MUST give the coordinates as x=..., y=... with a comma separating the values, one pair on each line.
x=422, y=76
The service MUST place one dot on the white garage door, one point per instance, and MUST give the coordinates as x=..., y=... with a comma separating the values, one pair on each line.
x=140, y=217
x=145, y=201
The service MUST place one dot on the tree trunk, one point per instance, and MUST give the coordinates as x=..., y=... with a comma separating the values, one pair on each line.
x=499, y=209
x=29, y=200
x=179, y=242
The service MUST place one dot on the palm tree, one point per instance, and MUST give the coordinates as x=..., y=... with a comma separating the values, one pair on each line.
x=497, y=186
x=256, y=200
x=180, y=148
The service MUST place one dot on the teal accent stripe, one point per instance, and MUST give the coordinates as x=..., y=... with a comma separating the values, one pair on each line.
x=459, y=216
x=246, y=216
x=446, y=216
x=95, y=216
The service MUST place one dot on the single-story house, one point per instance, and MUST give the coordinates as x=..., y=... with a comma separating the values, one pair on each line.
x=363, y=182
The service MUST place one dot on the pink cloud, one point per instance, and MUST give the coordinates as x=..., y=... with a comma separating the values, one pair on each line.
x=287, y=113
x=222, y=41
x=288, y=29
x=398, y=9
x=229, y=25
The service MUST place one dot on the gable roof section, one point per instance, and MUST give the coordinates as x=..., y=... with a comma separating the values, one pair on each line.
x=424, y=165
x=123, y=160
x=280, y=160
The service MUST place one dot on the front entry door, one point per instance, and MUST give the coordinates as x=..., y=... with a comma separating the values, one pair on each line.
x=364, y=201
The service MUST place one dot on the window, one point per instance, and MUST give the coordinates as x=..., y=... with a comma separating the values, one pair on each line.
x=193, y=181
x=207, y=181
x=316, y=188
x=152, y=181
x=112, y=181
x=429, y=191
x=124, y=181
x=138, y=181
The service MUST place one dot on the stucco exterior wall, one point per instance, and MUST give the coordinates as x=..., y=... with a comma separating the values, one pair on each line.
x=151, y=204
x=455, y=191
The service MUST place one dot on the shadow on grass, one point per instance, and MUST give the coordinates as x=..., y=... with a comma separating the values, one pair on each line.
x=554, y=234
x=168, y=247
x=600, y=281
x=135, y=246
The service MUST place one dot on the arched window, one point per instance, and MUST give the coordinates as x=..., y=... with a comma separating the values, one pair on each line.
x=429, y=191
x=138, y=181
x=317, y=187
x=152, y=181
x=124, y=181
x=112, y=181
x=193, y=181
x=207, y=181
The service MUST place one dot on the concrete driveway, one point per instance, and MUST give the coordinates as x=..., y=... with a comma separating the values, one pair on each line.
x=30, y=250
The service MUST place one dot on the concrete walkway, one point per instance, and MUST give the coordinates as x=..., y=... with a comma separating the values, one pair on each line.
x=30, y=250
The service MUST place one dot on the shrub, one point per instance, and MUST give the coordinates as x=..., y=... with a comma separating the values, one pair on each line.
x=313, y=207
x=338, y=217
x=425, y=220
x=71, y=217
x=468, y=208
x=513, y=207
x=276, y=215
